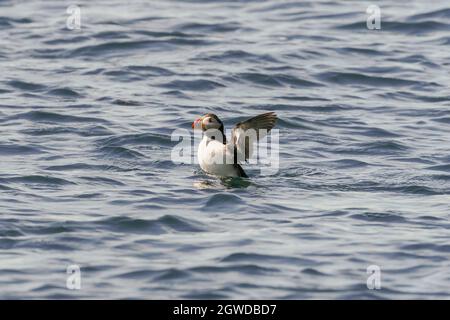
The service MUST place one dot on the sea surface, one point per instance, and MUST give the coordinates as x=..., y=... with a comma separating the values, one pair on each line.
x=87, y=178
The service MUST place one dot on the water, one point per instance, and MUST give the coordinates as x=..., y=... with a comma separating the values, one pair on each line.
x=86, y=177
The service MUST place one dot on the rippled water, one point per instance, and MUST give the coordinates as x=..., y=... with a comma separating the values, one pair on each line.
x=86, y=176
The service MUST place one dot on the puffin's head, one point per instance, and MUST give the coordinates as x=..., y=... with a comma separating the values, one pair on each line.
x=208, y=121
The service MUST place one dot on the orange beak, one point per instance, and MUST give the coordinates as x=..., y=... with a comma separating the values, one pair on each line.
x=196, y=123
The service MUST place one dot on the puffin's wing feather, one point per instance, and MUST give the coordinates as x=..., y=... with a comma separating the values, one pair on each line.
x=246, y=132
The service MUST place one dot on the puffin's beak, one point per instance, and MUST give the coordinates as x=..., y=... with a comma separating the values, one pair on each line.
x=195, y=124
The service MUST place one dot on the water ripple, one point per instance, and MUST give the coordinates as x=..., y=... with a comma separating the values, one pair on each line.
x=161, y=225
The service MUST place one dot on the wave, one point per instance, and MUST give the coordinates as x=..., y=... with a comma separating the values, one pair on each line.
x=149, y=71
x=64, y=92
x=89, y=131
x=379, y=217
x=444, y=167
x=442, y=13
x=163, y=224
x=137, y=139
x=383, y=147
x=427, y=246
x=362, y=51
x=410, y=28
x=96, y=180
x=251, y=269
x=15, y=149
x=237, y=56
x=76, y=166
x=122, y=47
x=372, y=132
x=275, y=80
x=26, y=86
x=39, y=179
x=207, y=27
x=10, y=22
x=53, y=117
x=223, y=202
x=247, y=257
x=193, y=85
x=445, y=120
x=347, y=163
x=113, y=152
x=345, y=78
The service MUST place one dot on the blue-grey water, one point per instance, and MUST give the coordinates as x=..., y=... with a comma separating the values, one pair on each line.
x=86, y=176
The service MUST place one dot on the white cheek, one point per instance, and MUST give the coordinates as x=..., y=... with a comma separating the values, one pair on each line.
x=205, y=122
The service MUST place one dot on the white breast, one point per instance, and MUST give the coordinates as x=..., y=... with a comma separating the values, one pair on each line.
x=211, y=155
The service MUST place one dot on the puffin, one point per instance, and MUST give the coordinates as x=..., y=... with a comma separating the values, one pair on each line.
x=219, y=157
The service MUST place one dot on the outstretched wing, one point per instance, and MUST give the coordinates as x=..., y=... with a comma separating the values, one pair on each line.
x=246, y=133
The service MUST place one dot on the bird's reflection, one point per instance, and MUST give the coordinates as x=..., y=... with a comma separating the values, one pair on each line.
x=218, y=183
x=235, y=183
x=205, y=184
